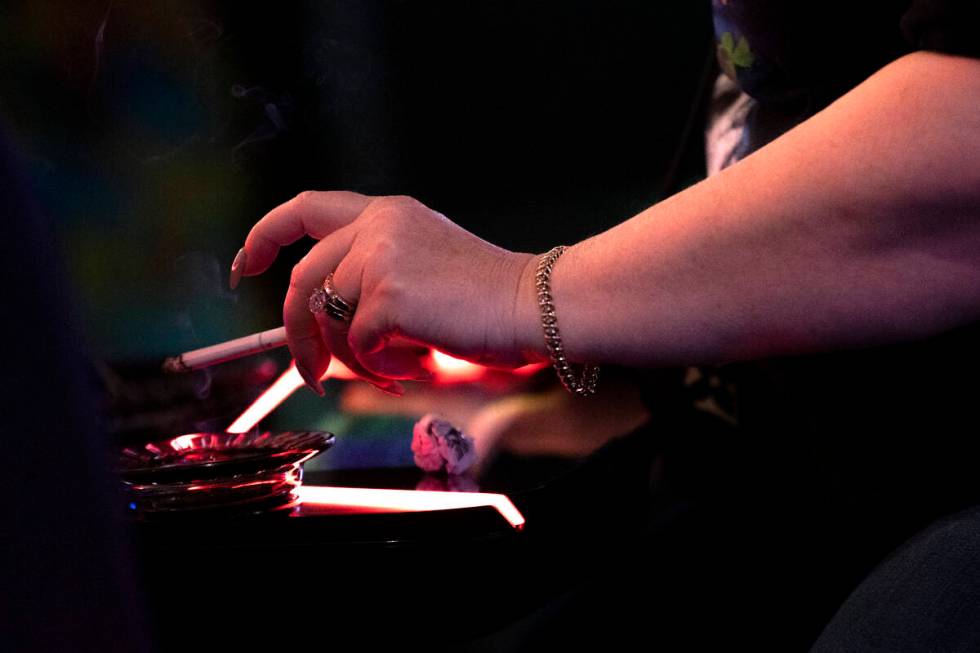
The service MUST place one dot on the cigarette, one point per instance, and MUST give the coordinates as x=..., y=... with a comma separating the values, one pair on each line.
x=226, y=351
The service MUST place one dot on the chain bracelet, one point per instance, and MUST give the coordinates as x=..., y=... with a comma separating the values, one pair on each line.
x=581, y=385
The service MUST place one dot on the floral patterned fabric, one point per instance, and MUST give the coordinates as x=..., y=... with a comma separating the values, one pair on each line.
x=807, y=53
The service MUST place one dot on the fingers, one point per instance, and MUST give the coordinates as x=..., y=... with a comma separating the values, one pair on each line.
x=354, y=284
x=368, y=339
x=334, y=333
x=312, y=339
x=312, y=213
x=305, y=344
x=303, y=336
x=398, y=362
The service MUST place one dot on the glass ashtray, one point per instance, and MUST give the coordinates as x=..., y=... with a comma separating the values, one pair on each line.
x=207, y=473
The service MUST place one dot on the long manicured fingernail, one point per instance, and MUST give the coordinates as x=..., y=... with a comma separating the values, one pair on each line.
x=311, y=380
x=237, y=268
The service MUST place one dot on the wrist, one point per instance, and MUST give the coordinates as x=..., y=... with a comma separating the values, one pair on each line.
x=528, y=338
x=578, y=380
x=566, y=293
x=528, y=335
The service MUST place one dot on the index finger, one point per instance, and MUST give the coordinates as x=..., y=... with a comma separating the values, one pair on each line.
x=311, y=213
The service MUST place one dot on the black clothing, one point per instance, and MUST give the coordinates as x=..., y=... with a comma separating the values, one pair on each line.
x=842, y=456
x=925, y=597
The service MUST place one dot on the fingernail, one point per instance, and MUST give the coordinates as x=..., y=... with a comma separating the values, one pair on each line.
x=237, y=268
x=423, y=376
x=311, y=380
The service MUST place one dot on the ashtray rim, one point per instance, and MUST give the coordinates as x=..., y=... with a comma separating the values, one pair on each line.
x=265, y=449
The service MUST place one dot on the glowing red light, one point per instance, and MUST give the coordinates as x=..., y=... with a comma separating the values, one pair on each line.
x=448, y=369
x=288, y=383
x=338, y=370
x=529, y=369
x=182, y=442
x=266, y=370
x=445, y=369
x=376, y=500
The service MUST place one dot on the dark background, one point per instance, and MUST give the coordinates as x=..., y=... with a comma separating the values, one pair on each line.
x=151, y=136
x=154, y=135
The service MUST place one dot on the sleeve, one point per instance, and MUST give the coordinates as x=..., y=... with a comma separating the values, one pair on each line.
x=949, y=26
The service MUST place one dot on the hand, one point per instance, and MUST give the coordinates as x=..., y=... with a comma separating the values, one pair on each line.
x=418, y=280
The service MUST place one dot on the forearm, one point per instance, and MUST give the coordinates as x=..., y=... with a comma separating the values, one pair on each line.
x=860, y=226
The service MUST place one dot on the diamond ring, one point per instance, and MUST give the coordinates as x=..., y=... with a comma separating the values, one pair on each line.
x=326, y=299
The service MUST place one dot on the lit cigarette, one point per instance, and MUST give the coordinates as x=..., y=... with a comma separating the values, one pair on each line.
x=226, y=351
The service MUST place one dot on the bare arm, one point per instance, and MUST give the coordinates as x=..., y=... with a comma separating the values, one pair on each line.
x=860, y=226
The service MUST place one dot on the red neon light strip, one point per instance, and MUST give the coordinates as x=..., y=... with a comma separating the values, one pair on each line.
x=408, y=500
x=281, y=389
x=289, y=382
x=446, y=368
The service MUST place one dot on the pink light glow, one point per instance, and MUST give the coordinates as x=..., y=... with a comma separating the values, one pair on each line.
x=376, y=500
x=338, y=370
x=289, y=382
x=529, y=369
x=448, y=369
x=182, y=442
x=445, y=369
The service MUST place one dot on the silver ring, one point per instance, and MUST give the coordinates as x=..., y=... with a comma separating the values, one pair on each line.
x=326, y=299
